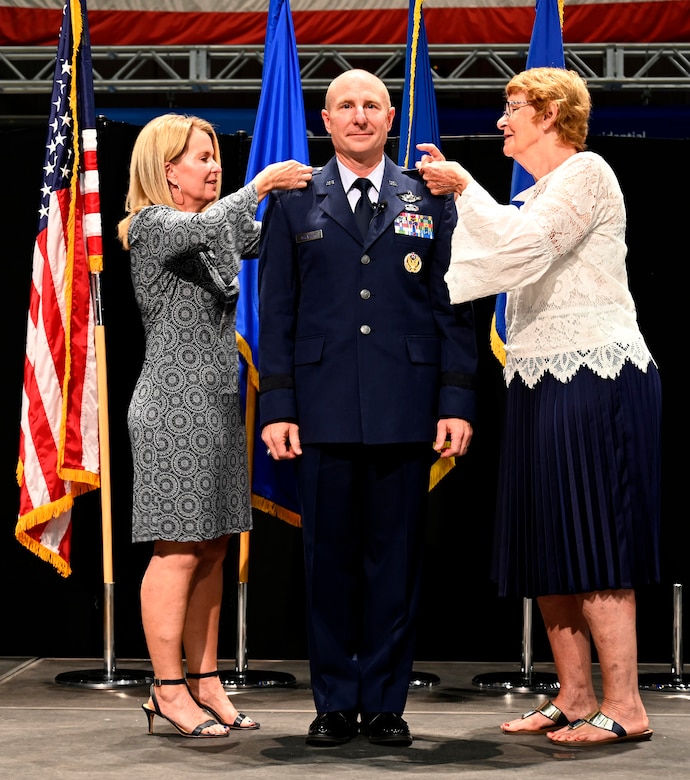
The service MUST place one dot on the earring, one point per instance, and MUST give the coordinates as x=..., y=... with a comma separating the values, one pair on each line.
x=172, y=194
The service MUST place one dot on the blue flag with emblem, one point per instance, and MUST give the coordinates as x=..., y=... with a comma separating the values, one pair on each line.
x=419, y=124
x=545, y=50
x=419, y=117
x=280, y=133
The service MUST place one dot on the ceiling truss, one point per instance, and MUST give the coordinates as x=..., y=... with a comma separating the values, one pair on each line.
x=183, y=69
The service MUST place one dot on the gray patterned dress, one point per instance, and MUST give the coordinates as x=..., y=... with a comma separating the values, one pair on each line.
x=185, y=423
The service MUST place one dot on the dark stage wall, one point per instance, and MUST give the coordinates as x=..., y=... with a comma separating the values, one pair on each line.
x=43, y=614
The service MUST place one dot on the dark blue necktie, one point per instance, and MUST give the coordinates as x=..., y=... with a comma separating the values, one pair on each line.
x=363, y=208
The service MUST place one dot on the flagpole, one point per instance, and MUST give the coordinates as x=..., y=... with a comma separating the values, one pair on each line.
x=526, y=679
x=419, y=123
x=109, y=676
x=279, y=133
x=545, y=50
x=676, y=679
x=243, y=677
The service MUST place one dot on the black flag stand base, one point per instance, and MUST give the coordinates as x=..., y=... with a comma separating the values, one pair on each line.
x=251, y=678
x=423, y=680
x=675, y=680
x=526, y=679
x=242, y=677
x=109, y=677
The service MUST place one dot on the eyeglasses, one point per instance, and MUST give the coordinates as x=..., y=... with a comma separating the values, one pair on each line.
x=511, y=106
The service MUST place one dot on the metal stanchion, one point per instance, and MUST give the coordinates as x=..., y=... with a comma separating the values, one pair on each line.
x=675, y=680
x=242, y=676
x=526, y=679
x=109, y=676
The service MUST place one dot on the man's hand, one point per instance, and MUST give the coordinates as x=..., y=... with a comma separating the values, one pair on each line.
x=282, y=440
x=453, y=437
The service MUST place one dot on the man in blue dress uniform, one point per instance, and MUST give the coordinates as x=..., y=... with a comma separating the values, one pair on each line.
x=366, y=375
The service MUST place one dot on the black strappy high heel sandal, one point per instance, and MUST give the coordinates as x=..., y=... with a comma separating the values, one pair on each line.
x=197, y=733
x=241, y=718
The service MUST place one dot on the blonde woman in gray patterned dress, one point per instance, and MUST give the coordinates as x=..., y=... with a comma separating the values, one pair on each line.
x=191, y=485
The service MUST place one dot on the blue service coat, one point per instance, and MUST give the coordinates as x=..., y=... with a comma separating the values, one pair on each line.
x=358, y=340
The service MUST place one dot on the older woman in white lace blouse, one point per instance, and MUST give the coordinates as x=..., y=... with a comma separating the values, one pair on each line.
x=577, y=521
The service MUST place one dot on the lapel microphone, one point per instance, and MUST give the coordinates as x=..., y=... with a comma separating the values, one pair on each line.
x=377, y=208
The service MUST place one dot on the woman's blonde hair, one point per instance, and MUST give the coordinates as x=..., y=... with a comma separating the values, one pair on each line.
x=567, y=88
x=162, y=140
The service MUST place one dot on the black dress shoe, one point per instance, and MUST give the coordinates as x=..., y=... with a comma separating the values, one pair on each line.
x=332, y=728
x=387, y=728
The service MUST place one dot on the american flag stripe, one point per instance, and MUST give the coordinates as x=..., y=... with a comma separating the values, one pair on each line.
x=242, y=22
x=58, y=443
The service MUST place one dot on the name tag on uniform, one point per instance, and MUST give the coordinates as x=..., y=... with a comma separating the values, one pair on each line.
x=417, y=225
x=312, y=235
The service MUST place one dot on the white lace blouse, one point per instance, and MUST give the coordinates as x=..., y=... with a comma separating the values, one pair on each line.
x=560, y=258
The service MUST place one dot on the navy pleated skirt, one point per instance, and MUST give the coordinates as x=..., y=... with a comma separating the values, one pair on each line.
x=579, y=493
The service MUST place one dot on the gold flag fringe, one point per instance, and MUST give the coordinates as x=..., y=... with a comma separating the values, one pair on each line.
x=439, y=470
x=271, y=508
x=497, y=345
x=246, y=351
x=40, y=515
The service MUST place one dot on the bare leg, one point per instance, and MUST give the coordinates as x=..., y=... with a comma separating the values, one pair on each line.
x=569, y=637
x=200, y=632
x=201, y=628
x=611, y=616
x=165, y=594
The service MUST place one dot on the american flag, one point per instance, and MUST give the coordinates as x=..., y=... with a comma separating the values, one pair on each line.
x=145, y=23
x=58, y=443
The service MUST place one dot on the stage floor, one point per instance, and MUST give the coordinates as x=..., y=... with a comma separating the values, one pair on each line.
x=74, y=728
